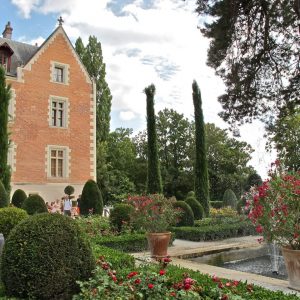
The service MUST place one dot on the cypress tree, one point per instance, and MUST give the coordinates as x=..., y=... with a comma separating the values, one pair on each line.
x=201, y=170
x=4, y=141
x=91, y=199
x=154, y=183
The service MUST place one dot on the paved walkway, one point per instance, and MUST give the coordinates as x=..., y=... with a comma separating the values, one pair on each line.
x=182, y=250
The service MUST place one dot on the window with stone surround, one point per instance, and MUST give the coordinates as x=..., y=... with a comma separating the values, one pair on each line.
x=58, y=112
x=59, y=73
x=57, y=162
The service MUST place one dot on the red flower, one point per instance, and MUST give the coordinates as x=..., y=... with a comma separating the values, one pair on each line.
x=187, y=286
x=220, y=285
x=259, y=229
x=132, y=274
x=215, y=278
x=235, y=283
x=224, y=297
x=173, y=294
x=150, y=286
x=114, y=278
x=167, y=259
x=137, y=281
x=162, y=272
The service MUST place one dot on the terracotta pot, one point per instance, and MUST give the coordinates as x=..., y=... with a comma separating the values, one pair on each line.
x=158, y=243
x=292, y=264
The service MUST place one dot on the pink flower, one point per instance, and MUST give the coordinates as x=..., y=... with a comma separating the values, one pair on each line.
x=187, y=286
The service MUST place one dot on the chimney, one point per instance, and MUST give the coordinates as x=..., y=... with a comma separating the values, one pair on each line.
x=7, y=33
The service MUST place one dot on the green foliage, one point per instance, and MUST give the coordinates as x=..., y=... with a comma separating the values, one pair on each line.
x=5, y=95
x=206, y=222
x=34, y=204
x=216, y=204
x=201, y=168
x=4, y=200
x=253, y=180
x=18, y=198
x=190, y=194
x=187, y=216
x=214, y=232
x=135, y=242
x=119, y=260
x=154, y=182
x=120, y=216
x=229, y=199
x=196, y=207
x=246, y=60
x=45, y=255
x=91, y=199
x=9, y=218
x=92, y=58
x=69, y=190
x=93, y=225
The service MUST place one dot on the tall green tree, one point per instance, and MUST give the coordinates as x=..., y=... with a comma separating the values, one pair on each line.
x=5, y=96
x=201, y=169
x=92, y=58
x=255, y=50
x=154, y=183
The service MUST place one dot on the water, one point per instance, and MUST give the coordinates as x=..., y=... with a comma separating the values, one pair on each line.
x=259, y=260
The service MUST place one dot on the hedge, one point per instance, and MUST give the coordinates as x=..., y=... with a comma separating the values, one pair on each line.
x=118, y=259
x=214, y=232
x=217, y=221
x=135, y=242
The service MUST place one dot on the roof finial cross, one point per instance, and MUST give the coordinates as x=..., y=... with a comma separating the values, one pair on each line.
x=60, y=21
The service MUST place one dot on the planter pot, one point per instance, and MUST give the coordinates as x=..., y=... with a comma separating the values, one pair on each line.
x=158, y=243
x=292, y=264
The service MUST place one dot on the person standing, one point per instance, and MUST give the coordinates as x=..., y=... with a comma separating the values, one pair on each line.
x=67, y=207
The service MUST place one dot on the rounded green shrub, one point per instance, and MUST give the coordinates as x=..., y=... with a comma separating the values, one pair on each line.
x=120, y=214
x=190, y=194
x=196, y=207
x=4, y=200
x=187, y=215
x=69, y=190
x=91, y=199
x=43, y=258
x=9, y=218
x=229, y=199
x=34, y=204
x=18, y=198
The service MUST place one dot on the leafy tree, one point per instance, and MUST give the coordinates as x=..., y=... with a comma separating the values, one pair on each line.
x=174, y=142
x=92, y=58
x=4, y=141
x=201, y=170
x=154, y=183
x=69, y=190
x=253, y=180
x=285, y=136
x=227, y=162
x=255, y=50
x=4, y=200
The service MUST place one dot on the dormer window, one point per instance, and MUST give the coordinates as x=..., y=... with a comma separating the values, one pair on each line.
x=5, y=57
x=59, y=73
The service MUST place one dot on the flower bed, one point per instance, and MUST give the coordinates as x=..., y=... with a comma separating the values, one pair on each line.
x=159, y=282
x=214, y=232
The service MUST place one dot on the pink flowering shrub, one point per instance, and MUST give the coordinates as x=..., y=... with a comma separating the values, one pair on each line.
x=153, y=213
x=275, y=207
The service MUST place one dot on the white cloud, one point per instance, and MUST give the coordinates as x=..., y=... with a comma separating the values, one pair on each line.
x=160, y=45
x=127, y=115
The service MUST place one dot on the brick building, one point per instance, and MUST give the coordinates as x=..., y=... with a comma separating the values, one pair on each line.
x=52, y=115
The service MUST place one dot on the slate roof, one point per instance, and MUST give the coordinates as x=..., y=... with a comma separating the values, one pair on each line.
x=22, y=54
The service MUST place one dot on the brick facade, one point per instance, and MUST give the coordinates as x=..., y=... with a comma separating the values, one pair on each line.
x=33, y=136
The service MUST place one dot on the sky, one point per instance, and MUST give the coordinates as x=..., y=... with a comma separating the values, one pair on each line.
x=143, y=42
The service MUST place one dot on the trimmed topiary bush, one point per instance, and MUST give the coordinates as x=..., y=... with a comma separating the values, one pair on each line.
x=9, y=218
x=34, y=204
x=229, y=199
x=216, y=204
x=43, y=258
x=91, y=201
x=69, y=190
x=18, y=198
x=120, y=214
x=196, y=207
x=190, y=194
x=187, y=216
x=4, y=201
